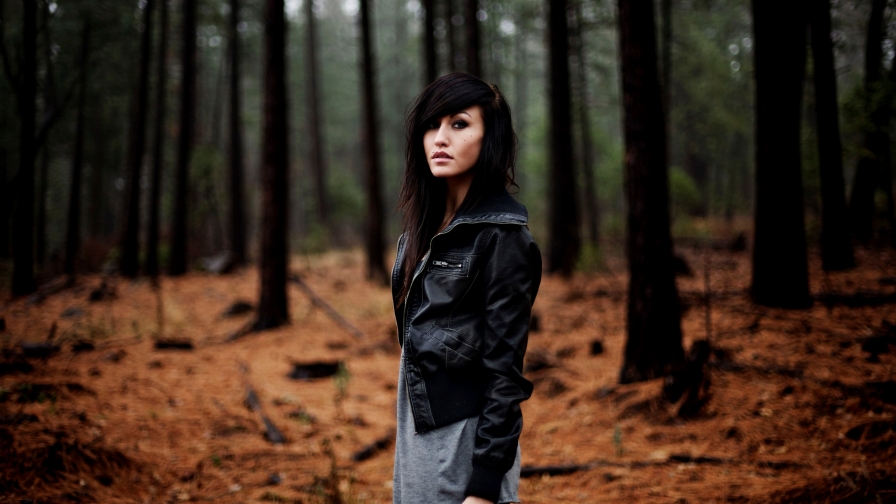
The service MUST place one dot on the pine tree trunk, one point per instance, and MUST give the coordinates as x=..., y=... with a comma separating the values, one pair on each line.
x=471, y=29
x=589, y=155
x=654, y=316
x=178, y=262
x=158, y=149
x=836, y=245
x=40, y=231
x=318, y=161
x=376, y=269
x=237, y=199
x=666, y=7
x=867, y=174
x=452, y=35
x=73, y=227
x=5, y=197
x=130, y=233
x=562, y=210
x=273, y=309
x=23, y=213
x=430, y=65
x=780, y=270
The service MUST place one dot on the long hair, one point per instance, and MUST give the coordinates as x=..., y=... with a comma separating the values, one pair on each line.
x=422, y=197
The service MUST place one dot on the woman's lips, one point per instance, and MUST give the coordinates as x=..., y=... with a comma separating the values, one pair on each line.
x=441, y=155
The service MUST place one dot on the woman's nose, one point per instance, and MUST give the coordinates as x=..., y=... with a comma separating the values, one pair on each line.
x=441, y=137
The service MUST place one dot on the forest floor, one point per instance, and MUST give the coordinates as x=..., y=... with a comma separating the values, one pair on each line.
x=801, y=406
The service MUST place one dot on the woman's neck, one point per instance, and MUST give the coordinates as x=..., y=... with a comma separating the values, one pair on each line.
x=457, y=189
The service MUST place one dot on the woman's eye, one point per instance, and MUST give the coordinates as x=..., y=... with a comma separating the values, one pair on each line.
x=432, y=125
x=459, y=124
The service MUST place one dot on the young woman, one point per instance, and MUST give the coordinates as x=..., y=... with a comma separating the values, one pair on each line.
x=466, y=274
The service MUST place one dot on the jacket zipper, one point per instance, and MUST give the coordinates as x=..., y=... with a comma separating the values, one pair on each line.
x=408, y=295
x=446, y=264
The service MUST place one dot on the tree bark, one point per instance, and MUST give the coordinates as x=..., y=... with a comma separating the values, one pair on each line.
x=654, y=314
x=666, y=6
x=376, y=269
x=430, y=64
x=318, y=161
x=471, y=30
x=23, y=213
x=836, y=244
x=867, y=175
x=40, y=228
x=273, y=309
x=589, y=155
x=562, y=210
x=780, y=269
x=4, y=195
x=131, y=230
x=73, y=228
x=158, y=148
x=178, y=262
x=452, y=35
x=237, y=205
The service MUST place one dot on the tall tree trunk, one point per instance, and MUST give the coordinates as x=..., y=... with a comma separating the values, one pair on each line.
x=95, y=192
x=452, y=35
x=158, y=148
x=430, y=64
x=318, y=161
x=376, y=269
x=471, y=30
x=562, y=210
x=867, y=175
x=836, y=244
x=23, y=213
x=237, y=206
x=40, y=228
x=73, y=227
x=589, y=155
x=654, y=316
x=5, y=196
x=273, y=309
x=178, y=262
x=131, y=230
x=666, y=6
x=780, y=269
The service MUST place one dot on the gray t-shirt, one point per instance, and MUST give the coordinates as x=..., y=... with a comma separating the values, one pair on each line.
x=435, y=467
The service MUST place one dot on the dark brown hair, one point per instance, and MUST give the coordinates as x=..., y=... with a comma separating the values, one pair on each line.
x=422, y=197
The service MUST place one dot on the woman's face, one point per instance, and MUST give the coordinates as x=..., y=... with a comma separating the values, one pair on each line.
x=452, y=143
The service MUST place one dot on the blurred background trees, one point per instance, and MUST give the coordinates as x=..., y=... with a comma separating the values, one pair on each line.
x=351, y=67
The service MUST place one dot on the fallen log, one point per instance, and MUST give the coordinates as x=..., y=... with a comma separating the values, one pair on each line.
x=856, y=299
x=678, y=458
x=373, y=448
x=329, y=310
x=552, y=470
x=173, y=344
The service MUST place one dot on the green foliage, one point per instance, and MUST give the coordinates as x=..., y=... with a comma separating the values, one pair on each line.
x=590, y=258
x=684, y=194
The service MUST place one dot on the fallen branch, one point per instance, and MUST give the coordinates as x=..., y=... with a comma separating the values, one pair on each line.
x=320, y=303
x=733, y=366
x=272, y=433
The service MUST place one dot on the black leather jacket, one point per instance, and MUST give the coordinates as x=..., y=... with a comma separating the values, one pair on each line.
x=464, y=327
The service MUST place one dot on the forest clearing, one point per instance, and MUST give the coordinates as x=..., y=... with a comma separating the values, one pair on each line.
x=801, y=405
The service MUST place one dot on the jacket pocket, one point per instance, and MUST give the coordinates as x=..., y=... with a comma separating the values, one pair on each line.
x=450, y=264
x=443, y=349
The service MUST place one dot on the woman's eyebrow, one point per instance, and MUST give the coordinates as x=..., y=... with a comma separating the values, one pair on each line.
x=461, y=112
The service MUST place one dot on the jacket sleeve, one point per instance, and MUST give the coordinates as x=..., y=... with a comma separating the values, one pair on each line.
x=511, y=275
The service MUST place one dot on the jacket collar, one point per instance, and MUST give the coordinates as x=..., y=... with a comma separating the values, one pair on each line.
x=499, y=208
